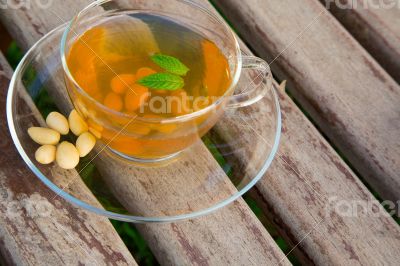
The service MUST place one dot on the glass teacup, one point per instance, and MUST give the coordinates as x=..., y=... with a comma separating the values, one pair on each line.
x=148, y=138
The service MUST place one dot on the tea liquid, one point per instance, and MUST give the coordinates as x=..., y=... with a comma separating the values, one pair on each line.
x=123, y=46
x=108, y=60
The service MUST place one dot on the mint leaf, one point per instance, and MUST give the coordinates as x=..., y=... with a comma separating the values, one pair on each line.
x=162, y=81
x=170, y=64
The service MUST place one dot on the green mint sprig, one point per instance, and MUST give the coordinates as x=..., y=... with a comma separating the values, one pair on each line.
x=162, y=81
x=170, y=64
x=170, y=80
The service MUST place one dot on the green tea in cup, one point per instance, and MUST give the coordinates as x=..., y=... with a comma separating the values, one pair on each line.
x=147, y=67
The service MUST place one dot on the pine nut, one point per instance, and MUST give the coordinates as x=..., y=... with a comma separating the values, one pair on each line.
x=76, y=123
x=85, y=143
x=58, y=122
x=43, y=136
x=67, y=156
x=45, y=154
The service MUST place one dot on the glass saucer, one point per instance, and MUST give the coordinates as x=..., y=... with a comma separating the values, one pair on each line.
x=212, y=173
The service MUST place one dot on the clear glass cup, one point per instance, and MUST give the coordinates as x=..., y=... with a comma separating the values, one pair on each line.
x=128, y=134
x=244, y=142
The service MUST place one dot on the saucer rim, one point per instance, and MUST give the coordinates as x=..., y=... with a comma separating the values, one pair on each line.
x=112, y=215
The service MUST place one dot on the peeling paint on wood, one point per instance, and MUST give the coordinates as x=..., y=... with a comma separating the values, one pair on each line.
x=306, y=165
x=38, y=228
x=218, y=239
x=349, y=96
x=377, y=30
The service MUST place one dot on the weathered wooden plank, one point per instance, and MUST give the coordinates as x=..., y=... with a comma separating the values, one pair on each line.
x=232, y=235
x=37, y=228
x=375, y=25
x=349, y=96
x=227, y=236
x=298, y=213
x=306, y=187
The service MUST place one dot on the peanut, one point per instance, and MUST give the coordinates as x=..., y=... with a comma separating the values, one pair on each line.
x=43, y=136
x=85, y=143
x=45, y=154
x=58, y=122
x=76, y=123
x=67, y=156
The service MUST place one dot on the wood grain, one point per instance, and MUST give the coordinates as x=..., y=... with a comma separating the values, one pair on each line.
x=348, y=95
x=38, y=228
x=306, y=187
x=230, y=236
x=308, y=184
x=376, y=28
x=233, y=234
x=293, y=204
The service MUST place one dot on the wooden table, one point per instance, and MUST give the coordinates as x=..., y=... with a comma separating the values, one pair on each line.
x=353, y=110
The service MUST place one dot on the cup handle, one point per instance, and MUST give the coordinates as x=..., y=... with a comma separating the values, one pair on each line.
x=260, y=84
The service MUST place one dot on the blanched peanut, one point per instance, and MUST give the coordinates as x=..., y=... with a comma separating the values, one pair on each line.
x=121, y=83
x=46, y=154
x=58, y=122
x=43, y=136
x=113, y=101
x=76, y=123
x=136, y=97
x=85, y=143
x=67, y=156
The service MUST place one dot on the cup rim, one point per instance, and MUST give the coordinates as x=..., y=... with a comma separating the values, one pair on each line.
x=10, y=108
x=179, y=118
